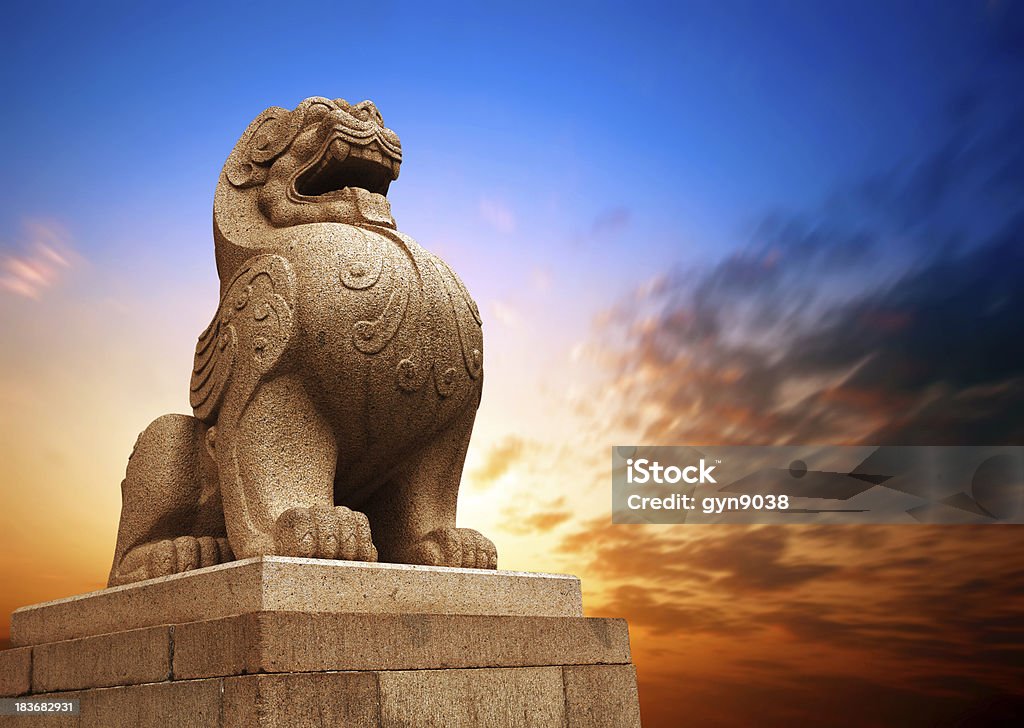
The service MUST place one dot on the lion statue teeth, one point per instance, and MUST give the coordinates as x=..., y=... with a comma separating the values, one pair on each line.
x=335, y=389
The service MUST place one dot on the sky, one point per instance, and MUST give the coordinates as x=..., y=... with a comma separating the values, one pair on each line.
x=687, y=223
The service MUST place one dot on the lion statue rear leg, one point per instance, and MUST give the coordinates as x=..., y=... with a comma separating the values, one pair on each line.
x=171, y=517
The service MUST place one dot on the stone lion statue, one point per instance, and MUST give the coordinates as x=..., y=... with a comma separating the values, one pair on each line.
x=335, y=390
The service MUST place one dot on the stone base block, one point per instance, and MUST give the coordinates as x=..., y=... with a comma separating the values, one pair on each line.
x=517, y=697
x=326, y=644
x=279, y=583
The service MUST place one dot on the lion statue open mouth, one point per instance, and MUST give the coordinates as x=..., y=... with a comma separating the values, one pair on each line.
x=335, y=389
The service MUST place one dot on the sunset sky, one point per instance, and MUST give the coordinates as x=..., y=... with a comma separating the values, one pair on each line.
x=724, y=223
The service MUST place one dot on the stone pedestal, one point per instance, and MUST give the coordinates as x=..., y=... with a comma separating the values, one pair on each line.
x=278, y=641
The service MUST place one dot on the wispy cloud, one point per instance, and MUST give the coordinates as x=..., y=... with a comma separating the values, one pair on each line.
x=507, y=315
x=541, y=279
x=45, y=254
x=539, y=520
x=498, y=214
x=604, y=225
x=498, y=461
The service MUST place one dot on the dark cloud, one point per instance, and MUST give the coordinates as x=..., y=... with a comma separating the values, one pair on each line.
x=708, y=560
x=670, y=612
x=892, y=315
x=940, y=340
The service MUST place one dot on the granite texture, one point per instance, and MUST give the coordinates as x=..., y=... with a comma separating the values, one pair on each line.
x=525, y=697
x=531, y=697
x=298, y=585
x=285, y=642
x=188, y=704
x=15, y=671
x=601, y=695
x=292, y=642
x=126, y=658
x=337, y=699
x=334, y=392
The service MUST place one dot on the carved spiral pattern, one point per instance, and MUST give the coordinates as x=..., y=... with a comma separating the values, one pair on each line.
x=423, y=307
x=255, y=313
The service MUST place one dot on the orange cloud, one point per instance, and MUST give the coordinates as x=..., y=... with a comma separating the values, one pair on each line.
x=805, y=623
x=540, y=520
x=498, y=461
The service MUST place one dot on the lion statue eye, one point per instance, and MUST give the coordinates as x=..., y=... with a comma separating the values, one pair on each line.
x=317, y=112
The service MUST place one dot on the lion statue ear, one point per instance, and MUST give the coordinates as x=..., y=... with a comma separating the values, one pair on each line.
x=266, y=138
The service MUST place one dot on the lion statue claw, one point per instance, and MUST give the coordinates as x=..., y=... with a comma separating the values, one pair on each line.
x=335, y=389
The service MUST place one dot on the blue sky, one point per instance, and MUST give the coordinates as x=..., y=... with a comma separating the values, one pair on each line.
x=694, y=117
